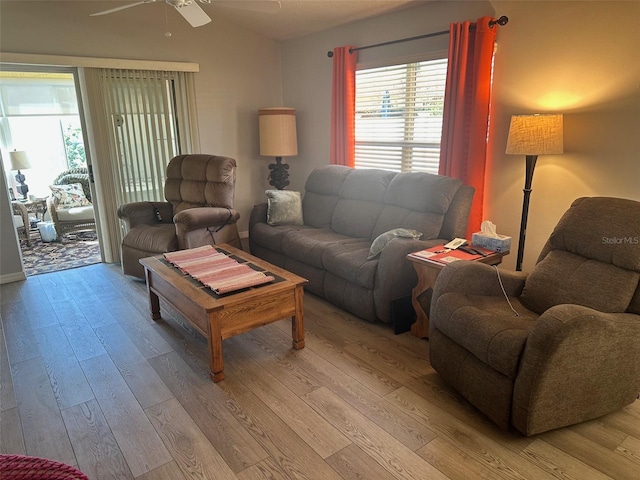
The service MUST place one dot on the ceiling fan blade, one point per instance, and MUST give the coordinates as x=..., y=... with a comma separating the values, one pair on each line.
x=120, y=8
x=263, y=6
x=193, y=14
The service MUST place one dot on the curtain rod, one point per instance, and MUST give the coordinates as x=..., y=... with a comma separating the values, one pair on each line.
x=503, y=20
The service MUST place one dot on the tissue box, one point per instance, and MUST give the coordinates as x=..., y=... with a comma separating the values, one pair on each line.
x=500, y=244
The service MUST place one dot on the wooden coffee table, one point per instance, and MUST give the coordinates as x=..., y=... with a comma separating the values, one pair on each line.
x=222, y=316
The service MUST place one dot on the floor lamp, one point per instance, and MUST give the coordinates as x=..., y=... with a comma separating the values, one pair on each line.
x=278, y=139
x=532, y=135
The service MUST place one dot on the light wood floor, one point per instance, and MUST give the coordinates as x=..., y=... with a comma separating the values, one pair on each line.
x=87, y=378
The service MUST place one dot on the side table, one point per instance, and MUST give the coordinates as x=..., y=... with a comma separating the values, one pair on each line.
x=37, y=206
x=428, y=271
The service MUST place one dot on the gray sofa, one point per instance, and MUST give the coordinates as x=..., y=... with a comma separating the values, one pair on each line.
x=344, y=210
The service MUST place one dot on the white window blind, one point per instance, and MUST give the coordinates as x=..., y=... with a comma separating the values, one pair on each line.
x=141, y=105
x=399, y=116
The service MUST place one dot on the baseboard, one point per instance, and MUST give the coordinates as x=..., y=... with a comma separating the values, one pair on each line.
x=12, y=277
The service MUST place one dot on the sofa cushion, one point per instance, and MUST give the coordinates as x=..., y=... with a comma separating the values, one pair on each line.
x=355, y=218
x=360, y=203
x=317, y=209
x=349, y=261
x=69, y=196
x=307, y=245
x=391, y=217
x=419, y=201
x=284, y=207
x=564, y=277
x=271, y=237
x=321, y=194
x=486, y=327
x=422, y=192
x=76, y=214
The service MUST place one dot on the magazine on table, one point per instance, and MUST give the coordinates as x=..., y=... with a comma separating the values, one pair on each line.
x=444, y=255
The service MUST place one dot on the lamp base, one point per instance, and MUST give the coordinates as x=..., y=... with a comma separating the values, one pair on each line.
x=278, y=177
x=22, y=188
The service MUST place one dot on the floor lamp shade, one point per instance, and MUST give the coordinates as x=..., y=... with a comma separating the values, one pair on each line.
x=278, y=138
x=532, y=135
x=535, y=135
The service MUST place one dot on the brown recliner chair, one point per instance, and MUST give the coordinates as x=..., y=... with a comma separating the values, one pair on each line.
x=573, y=353
x=199, y=211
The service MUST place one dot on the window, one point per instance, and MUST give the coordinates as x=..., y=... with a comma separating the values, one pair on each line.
x=399, y=112
x=39, y=114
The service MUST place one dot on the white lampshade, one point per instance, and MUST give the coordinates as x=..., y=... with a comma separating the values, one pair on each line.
x=535, y=135
x=278, y=136
x=19, y=160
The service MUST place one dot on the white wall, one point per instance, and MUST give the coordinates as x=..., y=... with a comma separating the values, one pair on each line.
x=239, y=70
x=581, y=59
x=577, y=58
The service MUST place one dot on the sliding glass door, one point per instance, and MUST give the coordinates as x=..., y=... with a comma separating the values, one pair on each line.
x=40, y=116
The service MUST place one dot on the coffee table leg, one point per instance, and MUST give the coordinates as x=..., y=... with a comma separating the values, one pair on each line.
x=154, y=301
x=297, y=321
x=216, y=363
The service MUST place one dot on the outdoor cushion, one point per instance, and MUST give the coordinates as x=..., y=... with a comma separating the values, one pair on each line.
x=76, y=214
x=69, y=196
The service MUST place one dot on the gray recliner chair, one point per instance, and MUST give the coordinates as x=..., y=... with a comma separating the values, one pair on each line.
x=573, y=353
x=199, y=190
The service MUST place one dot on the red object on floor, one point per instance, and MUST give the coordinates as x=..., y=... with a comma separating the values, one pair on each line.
x=21, y=467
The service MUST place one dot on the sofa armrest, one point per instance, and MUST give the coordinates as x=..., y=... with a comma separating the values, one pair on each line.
x=202, y=217
x=144, y=213
x=258, y=215
x=395, y=277
x=585, y=360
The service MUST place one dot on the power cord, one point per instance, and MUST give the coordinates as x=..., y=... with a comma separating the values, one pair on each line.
x=224, y=224
x=504, y=292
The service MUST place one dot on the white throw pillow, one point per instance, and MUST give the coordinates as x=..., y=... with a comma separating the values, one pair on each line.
x=284, y=207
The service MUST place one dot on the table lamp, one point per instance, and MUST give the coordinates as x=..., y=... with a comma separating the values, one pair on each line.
x=20, y=161
x=278, y=139
x=532, y=135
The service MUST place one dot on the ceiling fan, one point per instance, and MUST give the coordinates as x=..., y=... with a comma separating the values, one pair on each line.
x=193, y=13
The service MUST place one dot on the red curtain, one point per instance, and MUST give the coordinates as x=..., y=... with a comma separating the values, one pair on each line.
x=464, y=146
x=343, y=107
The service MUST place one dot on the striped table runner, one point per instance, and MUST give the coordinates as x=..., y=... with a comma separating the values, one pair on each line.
x=216, y=270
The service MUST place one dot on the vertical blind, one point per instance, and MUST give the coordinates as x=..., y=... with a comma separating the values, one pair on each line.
x=141, y=106
x=399, y=112
x=139, y=120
